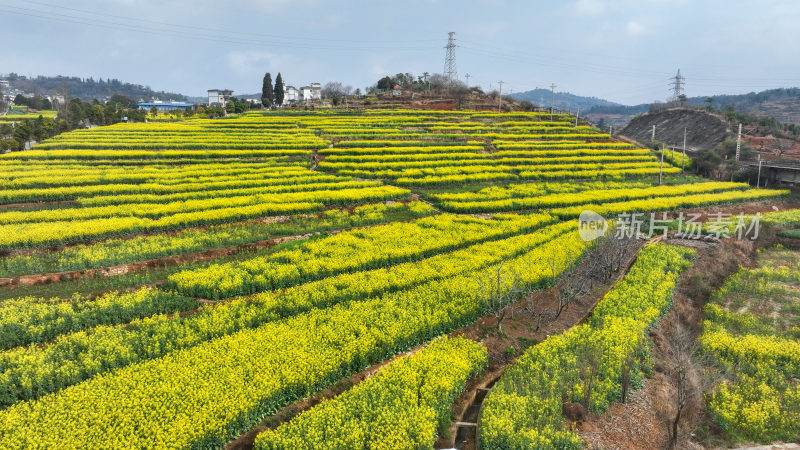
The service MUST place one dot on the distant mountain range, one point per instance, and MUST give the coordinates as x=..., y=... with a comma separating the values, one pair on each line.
x=782, y=103
x=563, y=100
x=86, y=88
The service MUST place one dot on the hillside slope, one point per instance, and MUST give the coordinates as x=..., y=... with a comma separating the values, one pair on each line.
x=782, y=104
x=703, y=130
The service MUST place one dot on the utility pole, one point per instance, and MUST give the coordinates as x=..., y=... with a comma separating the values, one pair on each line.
x=467, y=75
x=739, y=142
x=577, y=113
x=500, y=96
x=552, y=99
x=450, y=71
x=684, y=150
x=758, y=181
x=653, y=134
x=661, y=167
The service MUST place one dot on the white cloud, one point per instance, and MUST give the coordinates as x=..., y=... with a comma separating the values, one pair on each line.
x=252, y=62
x=635, y=28
x=377, y=68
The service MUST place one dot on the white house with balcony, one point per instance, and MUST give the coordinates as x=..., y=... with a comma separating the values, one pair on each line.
x=290, y=94
x=219, y=96
x=311, y=92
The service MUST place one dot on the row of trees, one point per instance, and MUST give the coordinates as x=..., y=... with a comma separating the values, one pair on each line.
x=34, y=102
x=272, y=95
x=236, y=105
x=421, y=83
x=75, y=114
x=86, y=88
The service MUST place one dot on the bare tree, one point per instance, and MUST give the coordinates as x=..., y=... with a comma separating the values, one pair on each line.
x=779, y=147
x=440, y=84
x=335, y=89
x=689, y=375
x=612, y=252
x=567, y=291
x=535, y=308
x=499, y=291
x=576, y=282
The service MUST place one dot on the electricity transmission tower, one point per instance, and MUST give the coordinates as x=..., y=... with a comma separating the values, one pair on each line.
x=677, y=83
x=450, y=71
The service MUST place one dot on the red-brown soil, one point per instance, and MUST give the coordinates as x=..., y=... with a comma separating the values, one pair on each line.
x=640, y=423
x=30, y=280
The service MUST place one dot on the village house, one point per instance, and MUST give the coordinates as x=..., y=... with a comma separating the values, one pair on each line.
x=219, y=96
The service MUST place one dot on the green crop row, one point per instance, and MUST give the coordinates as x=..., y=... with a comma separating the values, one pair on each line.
x=123, y=251
x=402, y=407
x=74, y=358
x=206, y=395
x=372, y=248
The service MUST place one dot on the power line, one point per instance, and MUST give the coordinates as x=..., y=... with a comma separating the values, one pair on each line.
x=159, y=30
x=206, y=29
x=540, y=59
x=585, y=66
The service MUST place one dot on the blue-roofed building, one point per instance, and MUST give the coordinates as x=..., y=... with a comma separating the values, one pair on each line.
x=165, y=107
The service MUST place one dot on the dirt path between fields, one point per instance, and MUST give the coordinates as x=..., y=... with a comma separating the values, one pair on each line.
x=174, y=260
x=519, y=333
x=37, y=204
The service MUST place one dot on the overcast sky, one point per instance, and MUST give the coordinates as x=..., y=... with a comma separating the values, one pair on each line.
x=623, y=50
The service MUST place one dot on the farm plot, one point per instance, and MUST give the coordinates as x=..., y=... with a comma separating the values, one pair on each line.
x=425, y=209
x=752, y=325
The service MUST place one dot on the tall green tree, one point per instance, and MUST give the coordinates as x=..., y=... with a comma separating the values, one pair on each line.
x=266, y=91
x=278, y=90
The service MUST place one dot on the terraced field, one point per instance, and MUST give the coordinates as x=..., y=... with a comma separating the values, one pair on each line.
x=247, y=263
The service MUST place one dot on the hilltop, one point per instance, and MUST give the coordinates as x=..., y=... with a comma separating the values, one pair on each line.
x=782, y=104
x=563, y=100
x=704, y=130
